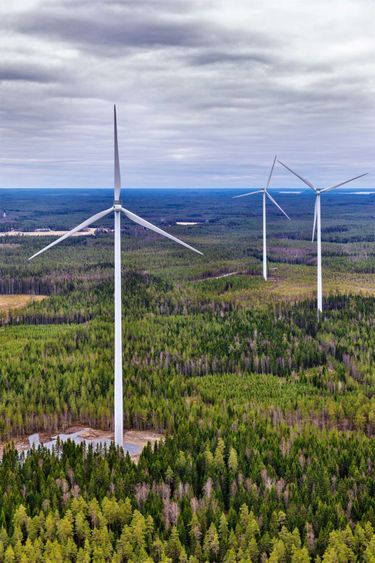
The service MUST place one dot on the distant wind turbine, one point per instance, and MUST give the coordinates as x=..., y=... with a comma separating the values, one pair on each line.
x=117, y=209
x=266, y=194
x=317, y=227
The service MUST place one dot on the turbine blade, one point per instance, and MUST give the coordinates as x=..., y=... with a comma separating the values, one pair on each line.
x=314, y=225
x=117, y=162
x=270, y=176
x=86, y=223
x=152, y=227
x=277, y=205
x=342, y=183
x=249, y=193
x=298, y=176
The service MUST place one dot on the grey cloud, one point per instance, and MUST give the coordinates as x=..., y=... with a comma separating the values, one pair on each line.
x=210, y=57
x=17, y=71
x=162, y=6
x=143, y=24
x=113, y=29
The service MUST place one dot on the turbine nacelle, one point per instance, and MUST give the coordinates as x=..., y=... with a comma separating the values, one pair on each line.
x=132, y=216
x=265, y=191
x=319, y=191
x=117, y=206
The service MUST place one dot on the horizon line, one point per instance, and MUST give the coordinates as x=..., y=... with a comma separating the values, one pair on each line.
x=133, y=188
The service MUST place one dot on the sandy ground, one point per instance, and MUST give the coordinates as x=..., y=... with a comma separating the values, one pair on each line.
x=86, y=233
x=9, y=302
x=137, y=438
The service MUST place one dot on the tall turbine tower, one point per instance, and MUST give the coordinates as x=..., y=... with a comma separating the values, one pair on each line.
x=266, y=195
x=117, y=209
x=318, y=227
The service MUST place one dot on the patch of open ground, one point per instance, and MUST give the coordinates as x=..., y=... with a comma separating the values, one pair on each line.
x=10, y=302
x=134, y=440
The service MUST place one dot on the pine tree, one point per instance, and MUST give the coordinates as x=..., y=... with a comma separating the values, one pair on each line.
x=211, y=543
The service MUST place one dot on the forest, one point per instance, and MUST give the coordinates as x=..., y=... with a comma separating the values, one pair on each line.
x=267, y=412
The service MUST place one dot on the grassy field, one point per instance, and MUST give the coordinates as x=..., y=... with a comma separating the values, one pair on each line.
x=11, y=302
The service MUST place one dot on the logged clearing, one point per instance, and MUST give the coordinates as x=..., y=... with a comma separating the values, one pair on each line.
x=134, y=440
x=11, y=302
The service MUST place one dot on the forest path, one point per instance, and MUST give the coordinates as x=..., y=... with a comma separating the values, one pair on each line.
x=221, y=276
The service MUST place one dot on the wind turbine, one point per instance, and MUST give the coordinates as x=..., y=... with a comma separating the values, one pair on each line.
x=117, y=209
x=317, y=226
x=266, y=195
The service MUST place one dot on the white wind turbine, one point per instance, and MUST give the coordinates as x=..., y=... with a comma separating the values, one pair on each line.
x=117, y=209
x=318, y=227
x=266, y=195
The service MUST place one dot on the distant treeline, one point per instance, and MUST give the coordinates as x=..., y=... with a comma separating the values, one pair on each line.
x=30, y=285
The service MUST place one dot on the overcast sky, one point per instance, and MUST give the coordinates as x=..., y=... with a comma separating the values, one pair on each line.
x=206, y=91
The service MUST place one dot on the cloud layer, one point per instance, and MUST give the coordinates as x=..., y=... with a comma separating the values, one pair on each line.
x=206, y=91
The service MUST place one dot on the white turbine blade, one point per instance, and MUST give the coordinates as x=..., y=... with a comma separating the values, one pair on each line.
x=117, y=162
x=298, y=176
x=314, y=225
x=270, y=176
x=86, y=223
x=277, y=205
x=249, y=193
x=152, y=227
x=342, y=183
